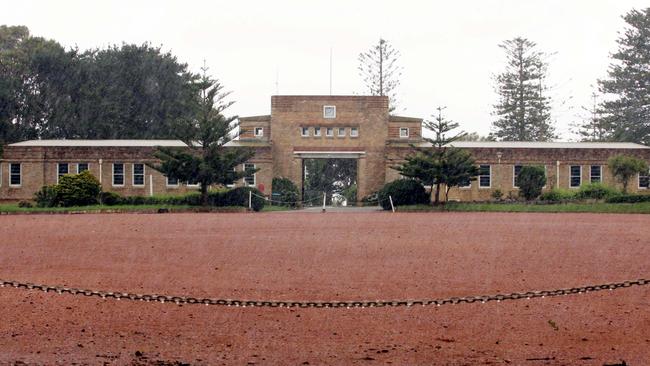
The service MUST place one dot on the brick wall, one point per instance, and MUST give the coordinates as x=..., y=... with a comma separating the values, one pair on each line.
x=554, y=160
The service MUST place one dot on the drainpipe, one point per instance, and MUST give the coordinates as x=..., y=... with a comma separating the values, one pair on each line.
x=100, y=171
x=557, y=174
x=150, y=185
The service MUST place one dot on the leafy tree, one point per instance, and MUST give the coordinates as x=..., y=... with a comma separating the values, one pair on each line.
x=206, y=161
x=530, y=181
x=627, y=111
x=523, y=110
x=36, y=82
x=131, y=91
x=380, y=71
x=625, y=167
x=442, y=164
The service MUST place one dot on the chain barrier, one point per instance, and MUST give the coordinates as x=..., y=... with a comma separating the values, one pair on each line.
x=315, y=199
x=181, y=300
x=289, y=202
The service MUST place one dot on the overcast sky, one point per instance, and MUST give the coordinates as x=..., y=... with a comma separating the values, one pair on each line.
x=449, y=50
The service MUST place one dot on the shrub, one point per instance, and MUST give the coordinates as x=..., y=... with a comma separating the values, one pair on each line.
x=78, y=189
x=558, y=195
x=629, y=198
x=285, y=191
x=530, y=181
x=110, y=198
x=25, y=204
x=403, y=192
x=497, y=194
x=624, y=167
x=47, y=196
x=596, y=191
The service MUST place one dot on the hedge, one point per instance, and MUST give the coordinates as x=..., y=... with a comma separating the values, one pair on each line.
x=629, y=198
x=403, y=192
x=234, y=197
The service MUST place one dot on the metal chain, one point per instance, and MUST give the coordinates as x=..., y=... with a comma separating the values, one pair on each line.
x=180, y=300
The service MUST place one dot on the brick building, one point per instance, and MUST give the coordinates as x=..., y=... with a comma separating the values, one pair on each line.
x=311, y=127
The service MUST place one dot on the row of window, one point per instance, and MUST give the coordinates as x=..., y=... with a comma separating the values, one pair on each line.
x=137, y=174
x=575, y=176
x=329, y=131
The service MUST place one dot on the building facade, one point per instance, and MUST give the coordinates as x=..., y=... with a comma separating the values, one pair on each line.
x=312, y=127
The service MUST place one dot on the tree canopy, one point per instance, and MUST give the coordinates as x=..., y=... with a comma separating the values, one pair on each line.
x=626, y=109
x=379, y=68
x=523, y=112
x=126, y=91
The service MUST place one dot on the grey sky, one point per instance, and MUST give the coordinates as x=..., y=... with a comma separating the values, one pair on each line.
x=449, y=49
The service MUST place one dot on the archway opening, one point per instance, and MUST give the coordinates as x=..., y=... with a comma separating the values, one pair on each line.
x=336, y=177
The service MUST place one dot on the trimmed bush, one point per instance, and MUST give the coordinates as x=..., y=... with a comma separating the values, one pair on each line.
x=597, y=191
x=558, y=195
x=285, y=191
x=497, y=194
x=530, y=181
x=78, y=190
x=239, y=197
x=47, y=196
x=403, y=192
x=25, y=204
x=110, y=198
x=629, y=198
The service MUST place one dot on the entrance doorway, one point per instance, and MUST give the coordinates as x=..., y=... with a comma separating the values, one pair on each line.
x=337, y=177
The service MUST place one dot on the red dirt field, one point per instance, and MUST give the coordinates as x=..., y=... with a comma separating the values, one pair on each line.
x=331, y=256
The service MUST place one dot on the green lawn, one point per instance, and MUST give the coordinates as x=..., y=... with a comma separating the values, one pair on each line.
x=599, y=207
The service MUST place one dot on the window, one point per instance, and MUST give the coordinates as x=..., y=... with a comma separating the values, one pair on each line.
x=118, y=174
x=249, y=179
x=644, y=180
x=484, y=176
x=82, y=167
x=15, y=176
x=317, y=131
x=595, y=174
x=354, y=132
x=192, y=184
x=304, y=131
x=329, y=132
x=61, y=169
x=404, y=132
x=172, y=182
x=341, y=132
x=515, y=175
x=259, y=131
x=576, y=176
x=329, y=111
x=138, y=174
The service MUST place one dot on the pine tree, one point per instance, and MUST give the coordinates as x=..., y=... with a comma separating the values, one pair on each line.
x=628, y=84
x=593, y=126
x=441, y=164
x=380, y=72
x=206, y=161
x=523, y=111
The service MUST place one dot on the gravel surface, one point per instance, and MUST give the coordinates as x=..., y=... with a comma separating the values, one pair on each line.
x=330, y=256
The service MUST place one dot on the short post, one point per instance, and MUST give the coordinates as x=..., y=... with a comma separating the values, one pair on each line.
x=390, y=198
x=324, y=200
x=250, y=200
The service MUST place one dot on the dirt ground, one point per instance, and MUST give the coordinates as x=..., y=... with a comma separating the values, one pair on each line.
x=330, y=256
